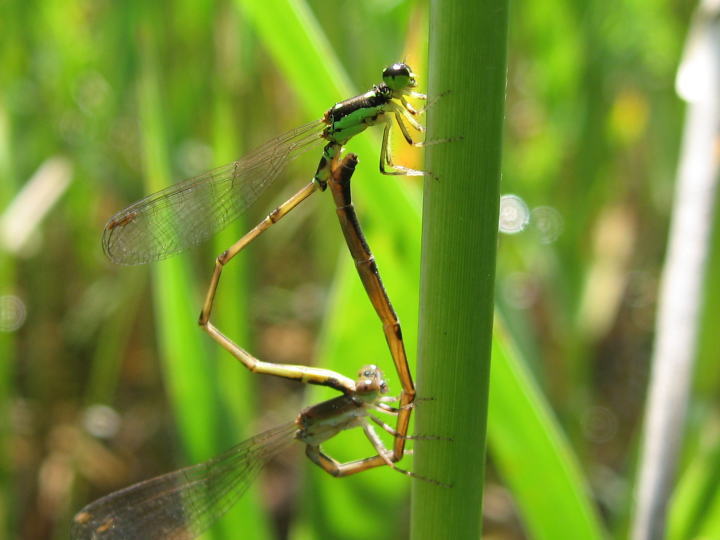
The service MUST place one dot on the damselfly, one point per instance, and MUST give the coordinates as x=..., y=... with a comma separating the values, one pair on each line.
x=181, y=505
x=184, y=214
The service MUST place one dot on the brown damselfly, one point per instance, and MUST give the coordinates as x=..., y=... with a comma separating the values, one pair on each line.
x=182, y=504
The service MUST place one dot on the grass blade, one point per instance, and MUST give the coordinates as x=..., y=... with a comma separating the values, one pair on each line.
x=458, y=264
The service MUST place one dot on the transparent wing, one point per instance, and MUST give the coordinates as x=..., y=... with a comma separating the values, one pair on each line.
x=182, y=504
x=188, y=212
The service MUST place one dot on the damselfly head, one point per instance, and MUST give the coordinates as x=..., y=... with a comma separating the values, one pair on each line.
x=399, y=77
x=371, y=380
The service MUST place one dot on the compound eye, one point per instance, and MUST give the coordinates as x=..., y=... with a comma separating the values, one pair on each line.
x=369, y=371
x=398, y=70
x=398, y=76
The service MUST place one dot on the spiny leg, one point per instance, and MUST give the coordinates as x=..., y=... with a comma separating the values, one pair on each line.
x=338, y=469
x=409, y=107
x=408, y=112
x=386, y=158
x=428, y=103
x=392, y=431
x=383, y=458
x=399, y=112
x=369, y=275
x=388, y=457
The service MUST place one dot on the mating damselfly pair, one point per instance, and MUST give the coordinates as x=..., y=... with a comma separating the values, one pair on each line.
x=184, y=503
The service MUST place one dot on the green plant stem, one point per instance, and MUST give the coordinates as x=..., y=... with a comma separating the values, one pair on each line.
x=467, y=57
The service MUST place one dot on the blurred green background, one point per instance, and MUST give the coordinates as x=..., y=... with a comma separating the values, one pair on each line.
x=105, y=378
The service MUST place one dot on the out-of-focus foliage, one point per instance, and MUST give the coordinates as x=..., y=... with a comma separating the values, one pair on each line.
x=105, y=378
